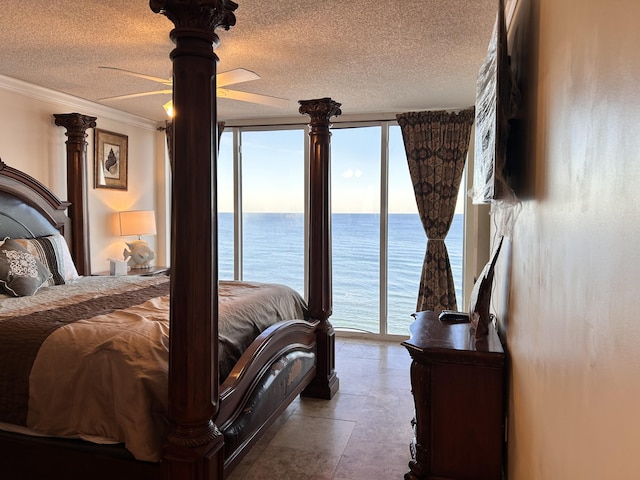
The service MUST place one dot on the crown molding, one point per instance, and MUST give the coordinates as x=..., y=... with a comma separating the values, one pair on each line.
x=87, y=107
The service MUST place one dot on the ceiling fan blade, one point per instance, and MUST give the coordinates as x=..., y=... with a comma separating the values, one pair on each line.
x=246, y=97
x=237, y=75
x=135, y=95
x=252, y=97
x=165, y=81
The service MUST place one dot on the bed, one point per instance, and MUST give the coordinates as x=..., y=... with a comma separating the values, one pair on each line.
x=212, y=418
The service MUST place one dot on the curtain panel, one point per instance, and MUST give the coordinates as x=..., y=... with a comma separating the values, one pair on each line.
x=168, y=130
x=436, y=144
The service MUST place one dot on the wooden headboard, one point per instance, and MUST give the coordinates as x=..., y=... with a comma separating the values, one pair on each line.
x=28, y=209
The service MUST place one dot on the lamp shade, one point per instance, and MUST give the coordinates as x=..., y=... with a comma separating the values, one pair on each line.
x=137, y=222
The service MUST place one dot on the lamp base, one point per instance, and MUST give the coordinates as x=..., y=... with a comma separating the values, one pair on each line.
x=139, y=267
x=139, y=254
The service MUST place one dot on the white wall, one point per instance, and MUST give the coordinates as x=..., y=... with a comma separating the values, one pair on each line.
x=30, y=141
x=571, y=307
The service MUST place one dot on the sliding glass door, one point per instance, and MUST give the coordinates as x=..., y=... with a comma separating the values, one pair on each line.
x=273, y=207
x=355, y=197
x=378, y=242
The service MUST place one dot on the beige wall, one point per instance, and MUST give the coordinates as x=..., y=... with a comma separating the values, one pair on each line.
x=30, y=141
x=571, y=306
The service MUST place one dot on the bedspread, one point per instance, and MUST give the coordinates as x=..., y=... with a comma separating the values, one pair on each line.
x=90, y=359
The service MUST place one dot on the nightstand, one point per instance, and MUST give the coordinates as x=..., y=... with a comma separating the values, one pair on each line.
x=143, y=272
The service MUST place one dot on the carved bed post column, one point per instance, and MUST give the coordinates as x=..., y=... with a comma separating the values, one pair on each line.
x=76, y=125
x=326, y=383
x=194, y=444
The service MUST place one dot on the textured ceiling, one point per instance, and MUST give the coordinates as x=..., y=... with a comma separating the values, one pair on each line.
x=373, y=56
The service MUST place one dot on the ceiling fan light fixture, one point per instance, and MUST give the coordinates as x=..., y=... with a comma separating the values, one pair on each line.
x=168, y=107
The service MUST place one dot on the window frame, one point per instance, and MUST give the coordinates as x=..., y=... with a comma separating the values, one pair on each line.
x=476, y=229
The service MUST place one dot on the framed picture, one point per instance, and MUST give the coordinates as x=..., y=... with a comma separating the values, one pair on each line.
x=110, y=160
x=493, y=90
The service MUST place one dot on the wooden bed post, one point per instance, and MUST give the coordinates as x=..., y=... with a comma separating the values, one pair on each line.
x=76, y=125
x=326, y=383
x=194, y=444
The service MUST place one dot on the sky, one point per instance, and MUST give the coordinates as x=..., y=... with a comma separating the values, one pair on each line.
x=273, y=171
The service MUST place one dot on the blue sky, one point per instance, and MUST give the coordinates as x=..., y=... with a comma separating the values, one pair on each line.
x=273, y=171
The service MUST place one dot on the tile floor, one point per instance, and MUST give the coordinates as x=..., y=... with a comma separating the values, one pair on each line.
x=363, y=433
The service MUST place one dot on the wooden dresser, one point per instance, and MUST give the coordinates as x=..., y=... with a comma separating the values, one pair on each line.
x=458, y=389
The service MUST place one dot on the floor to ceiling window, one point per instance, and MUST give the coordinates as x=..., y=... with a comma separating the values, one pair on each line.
x=273, y=207
x=406, y=242
x=355, y=222
x=226, y=203
x=378, y=243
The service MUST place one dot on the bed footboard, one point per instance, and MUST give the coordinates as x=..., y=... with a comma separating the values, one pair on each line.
x=276, y=390
x=277, y=366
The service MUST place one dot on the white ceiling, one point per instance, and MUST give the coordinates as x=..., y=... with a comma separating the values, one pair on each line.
x=373, y=56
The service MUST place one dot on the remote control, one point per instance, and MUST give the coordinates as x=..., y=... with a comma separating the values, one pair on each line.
x=453, y=316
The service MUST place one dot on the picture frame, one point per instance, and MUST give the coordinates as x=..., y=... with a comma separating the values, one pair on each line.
x=111, y=162
x=493, y=104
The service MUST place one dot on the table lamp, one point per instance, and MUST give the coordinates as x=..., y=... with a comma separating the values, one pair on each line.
x=138, y=222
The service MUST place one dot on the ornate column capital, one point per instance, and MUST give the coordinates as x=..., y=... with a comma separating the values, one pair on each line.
x=76, y=124
x=320, y=110
x=197, y=14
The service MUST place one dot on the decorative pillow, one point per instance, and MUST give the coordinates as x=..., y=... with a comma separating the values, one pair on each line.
x=53, y=252
x=21, y=273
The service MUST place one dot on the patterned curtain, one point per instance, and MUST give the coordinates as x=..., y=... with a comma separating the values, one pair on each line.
x=220, y=130
x=168, y=130
x=436, y=144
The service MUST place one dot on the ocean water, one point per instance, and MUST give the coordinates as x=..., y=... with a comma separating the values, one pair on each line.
x=273, y=251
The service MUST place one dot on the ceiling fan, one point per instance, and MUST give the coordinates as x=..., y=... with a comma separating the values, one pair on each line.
x=223, y=79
